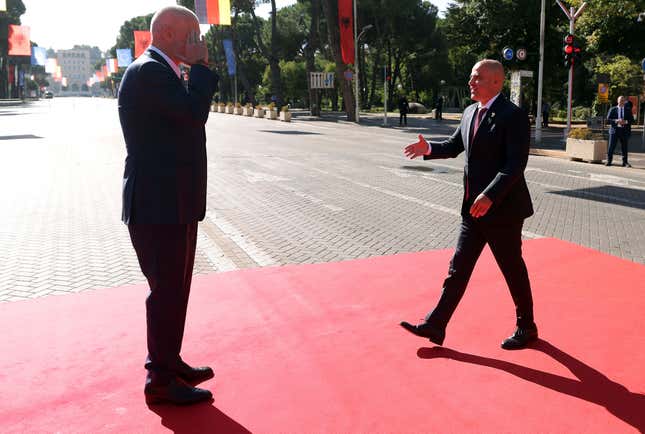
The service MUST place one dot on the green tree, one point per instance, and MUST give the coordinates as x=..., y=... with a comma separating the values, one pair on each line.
x=625, y=76
x=15, y=8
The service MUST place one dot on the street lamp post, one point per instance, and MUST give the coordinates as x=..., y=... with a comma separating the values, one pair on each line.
x=356, y=39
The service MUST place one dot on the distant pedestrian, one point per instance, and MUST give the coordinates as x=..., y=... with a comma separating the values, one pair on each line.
x=438, y=114
x=404, y=107
x=620, y=120
x=546, y=109
x=629, y=108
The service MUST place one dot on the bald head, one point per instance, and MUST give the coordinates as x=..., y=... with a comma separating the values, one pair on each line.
x=170, y=28
x=486, y=80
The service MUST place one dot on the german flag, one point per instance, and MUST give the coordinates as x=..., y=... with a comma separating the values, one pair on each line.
x=213, y=11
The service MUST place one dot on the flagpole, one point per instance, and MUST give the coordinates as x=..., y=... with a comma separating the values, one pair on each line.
x=356, y=62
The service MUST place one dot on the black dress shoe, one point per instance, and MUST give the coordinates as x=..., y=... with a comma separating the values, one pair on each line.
x=425, y=330
x=177, y=392
x=193, y=375
x=627, y=165
x=520, y=339
x=608, y=164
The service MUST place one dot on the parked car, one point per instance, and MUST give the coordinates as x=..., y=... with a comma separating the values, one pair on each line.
x=48, y=94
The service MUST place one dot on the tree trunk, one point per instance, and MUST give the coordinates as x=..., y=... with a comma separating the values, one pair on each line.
x=312, y=45
x=274, y=63
x=330, y=7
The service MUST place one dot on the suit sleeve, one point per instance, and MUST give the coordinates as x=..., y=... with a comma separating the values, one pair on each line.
x=447, y=149
x=166, y=95
x=612, y=115
x=517, y=140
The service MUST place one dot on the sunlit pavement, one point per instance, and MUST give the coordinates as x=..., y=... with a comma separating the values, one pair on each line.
x=279, y=193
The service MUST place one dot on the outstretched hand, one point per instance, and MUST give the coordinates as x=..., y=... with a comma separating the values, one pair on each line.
x=195, y=50
x=480, y=206
x=417, y=149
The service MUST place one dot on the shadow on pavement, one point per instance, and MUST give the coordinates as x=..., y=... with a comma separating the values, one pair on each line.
x=20, y=136
x=624, y=196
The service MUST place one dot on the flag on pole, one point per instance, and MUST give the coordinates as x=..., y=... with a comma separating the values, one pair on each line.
x=141, y=42
x=230, y=56
x=112, y=66
x=64, y=82
x=50, y=66
x=19, y=44
x=3, y=5
x=59, y=73
x=38, y=56
x=124, y=56
x=213, y=11
x=346, y=24
x=106, y=72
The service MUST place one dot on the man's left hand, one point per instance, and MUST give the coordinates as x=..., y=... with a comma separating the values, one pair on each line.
x=481, y=206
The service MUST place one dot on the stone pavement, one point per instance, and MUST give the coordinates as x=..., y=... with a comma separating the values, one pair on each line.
x=309, y=191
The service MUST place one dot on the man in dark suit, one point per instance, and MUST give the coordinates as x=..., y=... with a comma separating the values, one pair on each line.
x=620, y=120
x=164, y=189
x=494, y=133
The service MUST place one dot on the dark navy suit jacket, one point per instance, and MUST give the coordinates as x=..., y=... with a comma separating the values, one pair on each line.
x=164, y=181
x=495, y=160
x=612, y=117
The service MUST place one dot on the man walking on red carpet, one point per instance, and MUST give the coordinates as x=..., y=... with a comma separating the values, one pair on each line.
x=495, y=136
x=164, y=189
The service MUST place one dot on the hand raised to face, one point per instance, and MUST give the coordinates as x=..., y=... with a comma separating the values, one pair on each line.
x=195, y=51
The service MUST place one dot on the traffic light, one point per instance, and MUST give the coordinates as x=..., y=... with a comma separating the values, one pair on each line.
x=568, y=50
x=572, y=52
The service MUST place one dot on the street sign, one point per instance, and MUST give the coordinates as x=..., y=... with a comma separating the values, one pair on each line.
x=521, y=54
x=603, y=92
x=508, y=53
x=643, y=63
x=525, y=73
x=321, y=80
x=349, y=75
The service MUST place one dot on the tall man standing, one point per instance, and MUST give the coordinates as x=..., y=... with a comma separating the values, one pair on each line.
x=620, y=120
x=494, y=133
x=164, y=189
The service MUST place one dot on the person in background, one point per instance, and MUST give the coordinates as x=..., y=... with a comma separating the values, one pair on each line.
x=620, y=120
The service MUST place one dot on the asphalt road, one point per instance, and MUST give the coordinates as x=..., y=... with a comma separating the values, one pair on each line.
x=279, y=193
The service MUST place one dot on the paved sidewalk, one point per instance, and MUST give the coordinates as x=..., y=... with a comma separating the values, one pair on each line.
x=552, y=144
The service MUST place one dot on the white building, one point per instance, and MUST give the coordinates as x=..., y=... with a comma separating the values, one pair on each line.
x=76, y=67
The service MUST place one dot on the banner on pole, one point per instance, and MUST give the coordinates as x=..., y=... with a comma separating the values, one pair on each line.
x=50, y=66
x=213, y=12
x=124, y=57
x=346, y=24
x=141, y=42
x=3, y=5
x=19, y=44
x=230, y=56
x=38, y=56
x=112, y=65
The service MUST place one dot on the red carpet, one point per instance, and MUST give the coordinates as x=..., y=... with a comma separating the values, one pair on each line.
x=317, y=348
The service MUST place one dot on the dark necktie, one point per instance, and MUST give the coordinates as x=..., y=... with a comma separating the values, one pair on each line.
x=478, y=120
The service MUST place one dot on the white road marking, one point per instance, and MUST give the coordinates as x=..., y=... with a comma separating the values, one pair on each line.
x=214, y=254
x=254, y=252
x=424, y=203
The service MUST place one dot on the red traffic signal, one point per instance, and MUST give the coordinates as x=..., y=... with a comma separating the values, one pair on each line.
x=568, y=39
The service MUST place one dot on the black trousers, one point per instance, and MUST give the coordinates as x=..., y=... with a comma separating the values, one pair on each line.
x=403, y=119
x=623, y=137
x=166, y=255
x=505, y=241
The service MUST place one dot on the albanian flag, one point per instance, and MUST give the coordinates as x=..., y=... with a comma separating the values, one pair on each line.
x=346, y=23
x=141, y=42
x=19, y=43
